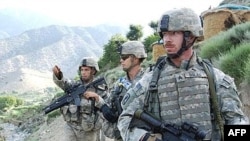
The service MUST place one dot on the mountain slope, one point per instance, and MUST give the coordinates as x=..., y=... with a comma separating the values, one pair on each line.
x=40, y=49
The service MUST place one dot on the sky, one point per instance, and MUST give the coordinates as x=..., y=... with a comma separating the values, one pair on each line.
x=116, y=12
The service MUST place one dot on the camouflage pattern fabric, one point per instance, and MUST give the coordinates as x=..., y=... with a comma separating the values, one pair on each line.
x=183, y=19
x=89, y=61
x=71, y=133
x=228, y=99
x=110, y=129
x=88, y=125
x=133, y=47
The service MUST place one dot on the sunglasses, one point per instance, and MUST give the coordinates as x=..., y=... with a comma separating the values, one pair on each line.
x=124, y=57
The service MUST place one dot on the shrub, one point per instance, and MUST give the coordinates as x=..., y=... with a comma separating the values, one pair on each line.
x=214, y=47
x=234, y=62
x=247, y=71
x=7, y=102
x=223, y=42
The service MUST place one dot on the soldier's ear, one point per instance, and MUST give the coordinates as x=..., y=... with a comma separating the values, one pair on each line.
x=93, y=71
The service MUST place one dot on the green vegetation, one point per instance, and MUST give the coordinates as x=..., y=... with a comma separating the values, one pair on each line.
x=9, y=102
x=135, y=32
x=148, y=42
x=234, y=62
x=220, y=44
x=229, y=51
x=111, y=58
x=21, y=106
x=14, y=108
x=247, y=71
x=110, y=61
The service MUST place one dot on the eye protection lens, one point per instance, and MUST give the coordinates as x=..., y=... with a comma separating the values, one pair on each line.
x=124, y=57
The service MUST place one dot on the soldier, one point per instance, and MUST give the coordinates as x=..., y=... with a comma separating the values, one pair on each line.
x=132, y=54
x=84, y=123
x=177, y=90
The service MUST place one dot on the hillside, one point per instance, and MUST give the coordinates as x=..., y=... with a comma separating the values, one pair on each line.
x=26, y=62
x=25, y=80
x=30, y=46
x=40, y=49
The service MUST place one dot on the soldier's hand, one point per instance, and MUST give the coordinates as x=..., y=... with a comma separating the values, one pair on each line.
x=56, y=70
x=151, y=137
x=89, y=95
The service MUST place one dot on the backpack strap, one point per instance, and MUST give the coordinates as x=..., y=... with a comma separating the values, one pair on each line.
x=160, y=63
x=152, y=90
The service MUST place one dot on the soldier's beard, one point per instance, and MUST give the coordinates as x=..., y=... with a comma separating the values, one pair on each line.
x=87, y=79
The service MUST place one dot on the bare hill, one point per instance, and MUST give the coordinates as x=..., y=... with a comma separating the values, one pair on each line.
x=34, y=53
x=26, y=80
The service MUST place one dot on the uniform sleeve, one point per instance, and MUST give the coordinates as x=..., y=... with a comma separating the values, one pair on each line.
x=109, y=129
x=62, y=83
x=133, y=100
x=231, y=106
x=100, y=103
x=103, y=98
x=133, y=134
x=138, y=89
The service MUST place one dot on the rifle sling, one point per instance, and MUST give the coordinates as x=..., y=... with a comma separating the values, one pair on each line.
x=212, y=88
x=214, y=100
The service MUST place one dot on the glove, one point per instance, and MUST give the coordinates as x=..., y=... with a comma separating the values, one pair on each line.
x=56, y=70
x=108, y=114
x=152, y=137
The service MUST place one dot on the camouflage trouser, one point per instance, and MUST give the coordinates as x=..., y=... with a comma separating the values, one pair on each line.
x=74, y=134
x=100, y=136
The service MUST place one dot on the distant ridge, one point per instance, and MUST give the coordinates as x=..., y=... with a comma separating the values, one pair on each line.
x=38, y=49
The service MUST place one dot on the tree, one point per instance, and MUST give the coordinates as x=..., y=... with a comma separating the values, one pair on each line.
x=154, y=25
x=135, y=32
x=148, y=41
x=110, y=58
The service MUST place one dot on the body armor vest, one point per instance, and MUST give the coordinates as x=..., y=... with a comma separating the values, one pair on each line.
x=182, y=95
x=83, y=117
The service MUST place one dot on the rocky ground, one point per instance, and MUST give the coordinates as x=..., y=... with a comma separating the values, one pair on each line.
x=46, y=132
x=51, y=132
x=37, y=129
x=11, y=133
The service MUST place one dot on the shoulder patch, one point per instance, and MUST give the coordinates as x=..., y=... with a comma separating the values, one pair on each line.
x=125, y=98
x=126, y=84
x=227, y=81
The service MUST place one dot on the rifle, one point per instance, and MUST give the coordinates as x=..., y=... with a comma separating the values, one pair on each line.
x=74, y=95
x=170, y=131
x=116, y=98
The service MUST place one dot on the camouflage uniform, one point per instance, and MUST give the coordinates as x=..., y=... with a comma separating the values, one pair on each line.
x=86, y=126
x=182, y=92
x=131, y=47
x=110, y=129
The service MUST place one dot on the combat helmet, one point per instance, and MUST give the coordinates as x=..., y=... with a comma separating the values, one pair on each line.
x=89, y=62
x=133, y=47
x=183, y=19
